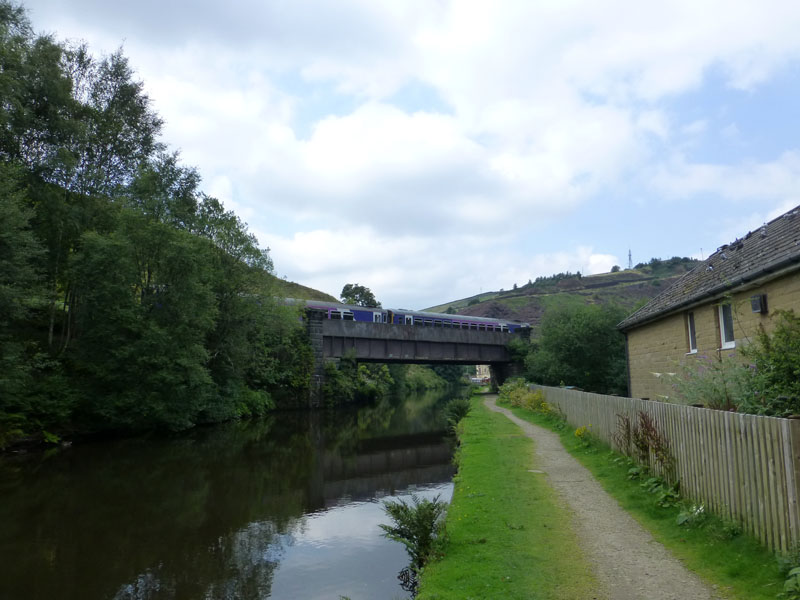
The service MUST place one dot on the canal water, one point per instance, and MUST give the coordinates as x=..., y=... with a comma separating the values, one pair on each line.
x=286, y=507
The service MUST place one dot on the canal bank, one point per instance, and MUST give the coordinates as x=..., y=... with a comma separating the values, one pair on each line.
x=628, y=546
x=509, y=535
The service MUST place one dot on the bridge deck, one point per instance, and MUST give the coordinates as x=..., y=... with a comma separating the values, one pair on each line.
x=381, y=342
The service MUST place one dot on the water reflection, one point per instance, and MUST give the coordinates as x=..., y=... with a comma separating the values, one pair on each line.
x=285, y=507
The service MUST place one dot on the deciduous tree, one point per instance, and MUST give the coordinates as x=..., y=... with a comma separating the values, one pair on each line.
x=352, y=293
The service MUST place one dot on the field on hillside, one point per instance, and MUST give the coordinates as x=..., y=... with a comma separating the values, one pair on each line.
x=289, y=289
x=629, y=288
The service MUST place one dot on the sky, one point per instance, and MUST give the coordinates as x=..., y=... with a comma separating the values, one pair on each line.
x=433, y=149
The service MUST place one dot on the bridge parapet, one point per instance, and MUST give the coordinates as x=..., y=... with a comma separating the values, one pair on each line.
x=382, y=342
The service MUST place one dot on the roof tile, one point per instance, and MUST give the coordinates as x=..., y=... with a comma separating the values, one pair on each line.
x=773, y=246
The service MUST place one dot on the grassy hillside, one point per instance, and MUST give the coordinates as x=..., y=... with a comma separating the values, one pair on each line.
x=289, y=289
x=629, y=289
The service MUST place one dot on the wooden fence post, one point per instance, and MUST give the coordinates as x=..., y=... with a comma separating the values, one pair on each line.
x=794, y=498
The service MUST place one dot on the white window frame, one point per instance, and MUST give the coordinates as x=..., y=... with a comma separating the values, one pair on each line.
x=725, y=344
x=691, y=329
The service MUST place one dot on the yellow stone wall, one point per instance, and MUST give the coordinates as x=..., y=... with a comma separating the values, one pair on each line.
x=657, y=349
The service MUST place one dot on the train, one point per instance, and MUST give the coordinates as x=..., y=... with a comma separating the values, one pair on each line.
x=402, y=316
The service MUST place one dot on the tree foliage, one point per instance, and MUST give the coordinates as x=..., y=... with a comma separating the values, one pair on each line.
x=352, y=293
x=416, y=525
x=128, y=298
x=763, y=380
x=580, y=346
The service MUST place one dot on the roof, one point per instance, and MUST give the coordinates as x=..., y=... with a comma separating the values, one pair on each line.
x=773, y=248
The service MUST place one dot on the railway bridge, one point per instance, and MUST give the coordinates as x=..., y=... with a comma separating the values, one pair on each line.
x=396, y=343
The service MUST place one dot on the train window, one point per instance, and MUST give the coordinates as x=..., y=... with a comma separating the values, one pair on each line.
x=428, y=322
x=437, y=323
x=347, y=315
x=447, y=324
x=383, y=319
x=473, y=325
x=335, y=314
x=378, y=318
x=419, y=321
x=409, y=319
x=481, y=327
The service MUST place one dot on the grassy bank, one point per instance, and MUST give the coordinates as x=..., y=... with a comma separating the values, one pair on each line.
x=508, y=536
x=712, y=548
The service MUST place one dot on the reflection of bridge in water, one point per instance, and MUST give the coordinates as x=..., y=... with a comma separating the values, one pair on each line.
x=381, y=465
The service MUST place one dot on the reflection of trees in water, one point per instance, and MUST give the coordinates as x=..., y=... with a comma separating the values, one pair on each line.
x=169, y=513
x=242, y=565
x=201, y=515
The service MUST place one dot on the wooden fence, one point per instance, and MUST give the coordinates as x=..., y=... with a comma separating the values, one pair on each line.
x=745, y=468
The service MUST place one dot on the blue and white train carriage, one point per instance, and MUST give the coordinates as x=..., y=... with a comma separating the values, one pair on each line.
x=401, y=316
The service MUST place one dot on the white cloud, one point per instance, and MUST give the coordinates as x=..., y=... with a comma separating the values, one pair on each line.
x=774, y=181
x=415, y=271
x=289, y=112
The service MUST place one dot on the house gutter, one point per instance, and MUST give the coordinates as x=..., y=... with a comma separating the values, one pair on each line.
x=768, y=273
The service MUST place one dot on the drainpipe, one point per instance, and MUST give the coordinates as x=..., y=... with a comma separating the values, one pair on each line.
x=628, y=365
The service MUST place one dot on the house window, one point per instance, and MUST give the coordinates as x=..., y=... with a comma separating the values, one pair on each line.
x=726, y=326
x=690, y=330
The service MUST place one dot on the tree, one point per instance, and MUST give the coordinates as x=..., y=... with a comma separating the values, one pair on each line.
x=615, y=269
x=128, y=299
x=145, y=310
x=20, y=292
x=358, y=295
x=581, y=346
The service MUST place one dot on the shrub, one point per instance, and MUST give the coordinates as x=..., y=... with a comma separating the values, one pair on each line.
x=719, y=382
x=455, y=410
x=416, y=525
x=581, y=346
x=775, y=369
x=767, y=382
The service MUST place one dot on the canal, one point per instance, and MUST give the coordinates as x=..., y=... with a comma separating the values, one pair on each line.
x=286, y=507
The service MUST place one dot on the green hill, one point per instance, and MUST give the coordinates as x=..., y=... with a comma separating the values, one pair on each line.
x=290, y=289
x=629, y=289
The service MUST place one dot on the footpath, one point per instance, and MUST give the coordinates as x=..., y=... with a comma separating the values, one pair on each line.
x=628, y=562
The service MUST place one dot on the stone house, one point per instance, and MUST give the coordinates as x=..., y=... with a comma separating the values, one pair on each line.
x=716, y=307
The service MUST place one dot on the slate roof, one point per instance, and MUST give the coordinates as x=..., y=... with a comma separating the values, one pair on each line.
x=773, y=247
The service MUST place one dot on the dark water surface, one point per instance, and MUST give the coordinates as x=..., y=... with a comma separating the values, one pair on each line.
x=285, y=508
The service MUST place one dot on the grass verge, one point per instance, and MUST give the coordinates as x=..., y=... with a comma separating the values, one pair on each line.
x=737, y=564
x=507, y=535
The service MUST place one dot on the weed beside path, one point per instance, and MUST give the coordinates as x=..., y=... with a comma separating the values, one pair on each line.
x=629, y=563
x=711, y=547
x=509, y=535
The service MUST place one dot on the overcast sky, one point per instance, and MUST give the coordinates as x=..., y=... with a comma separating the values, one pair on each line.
x=431, y=149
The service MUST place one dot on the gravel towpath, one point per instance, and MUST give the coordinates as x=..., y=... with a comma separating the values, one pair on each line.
x=628, y=562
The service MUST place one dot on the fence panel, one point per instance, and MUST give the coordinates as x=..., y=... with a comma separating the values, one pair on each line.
x=745, y=468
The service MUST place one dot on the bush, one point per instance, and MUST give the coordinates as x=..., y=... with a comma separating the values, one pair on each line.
x=776, y=369
x=581, y=346
x=416, y=526
x=516, y=392
x=455, y=410
x=719, y=382
x=767, y=382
